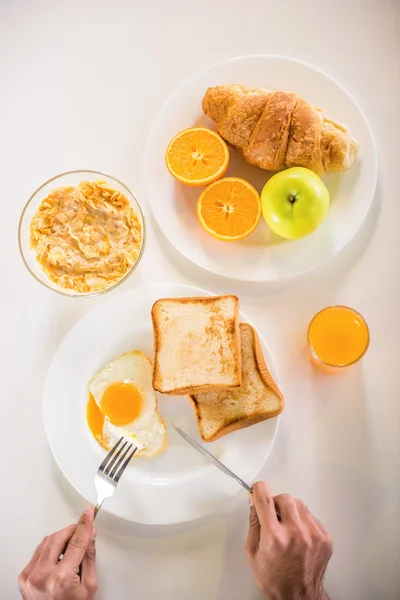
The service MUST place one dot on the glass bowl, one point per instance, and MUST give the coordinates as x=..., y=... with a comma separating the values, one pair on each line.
x=68, y=179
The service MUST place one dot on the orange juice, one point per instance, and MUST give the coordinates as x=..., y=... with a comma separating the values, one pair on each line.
x=338, y=336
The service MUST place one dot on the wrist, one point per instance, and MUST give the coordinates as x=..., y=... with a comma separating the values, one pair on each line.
x=314, y=595
x=309, y=595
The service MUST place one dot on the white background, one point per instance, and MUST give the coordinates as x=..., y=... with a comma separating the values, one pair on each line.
x=81, y=83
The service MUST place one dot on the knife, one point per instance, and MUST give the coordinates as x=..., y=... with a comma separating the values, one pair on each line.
x=211, y=458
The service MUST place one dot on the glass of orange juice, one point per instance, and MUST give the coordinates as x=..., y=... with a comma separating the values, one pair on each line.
x=338, y=337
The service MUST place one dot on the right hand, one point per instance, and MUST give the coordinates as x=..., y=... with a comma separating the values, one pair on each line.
x=288, y=557
x=72, y=577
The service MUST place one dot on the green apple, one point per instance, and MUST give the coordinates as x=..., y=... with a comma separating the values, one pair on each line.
x=294, y=202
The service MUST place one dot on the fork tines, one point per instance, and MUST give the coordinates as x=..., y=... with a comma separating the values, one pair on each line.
x=117, y=460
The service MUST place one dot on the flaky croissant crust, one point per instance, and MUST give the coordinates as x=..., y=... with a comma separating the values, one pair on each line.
x=274, y=129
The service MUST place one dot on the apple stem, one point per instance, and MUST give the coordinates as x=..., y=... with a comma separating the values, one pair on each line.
x=292, y=199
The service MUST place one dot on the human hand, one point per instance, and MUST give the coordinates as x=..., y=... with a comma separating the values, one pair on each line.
x=288, y=557
x=71, y=578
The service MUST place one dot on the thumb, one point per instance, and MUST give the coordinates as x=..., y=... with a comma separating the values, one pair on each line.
x=253, y=537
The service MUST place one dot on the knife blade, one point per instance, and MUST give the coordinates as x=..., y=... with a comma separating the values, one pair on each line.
x=211, y=458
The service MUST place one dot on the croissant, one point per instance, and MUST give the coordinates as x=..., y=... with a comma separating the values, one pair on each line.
x=276, y=129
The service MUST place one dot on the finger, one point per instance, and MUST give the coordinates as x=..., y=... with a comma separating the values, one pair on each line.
x=307, y=517
x=264, y=505
x=55, y=545
x=32, y=563
x=79, y=542
x=305, y=514
x=287, y=509
x=253, y=537
x=303, y=510
x=88, y=575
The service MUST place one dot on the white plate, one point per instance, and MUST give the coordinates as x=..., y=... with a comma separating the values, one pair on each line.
x=262, y=256
x=175, y=487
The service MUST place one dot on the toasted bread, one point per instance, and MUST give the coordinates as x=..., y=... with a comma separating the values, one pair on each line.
x=197, y=344
x=258, y=398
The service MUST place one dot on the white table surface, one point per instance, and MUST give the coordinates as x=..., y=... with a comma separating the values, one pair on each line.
x=81, y=82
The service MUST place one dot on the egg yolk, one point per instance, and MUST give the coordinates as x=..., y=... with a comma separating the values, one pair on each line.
x=95, y=420
x=121, y=403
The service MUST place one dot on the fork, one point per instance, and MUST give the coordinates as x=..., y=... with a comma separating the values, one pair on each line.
x=111, y=469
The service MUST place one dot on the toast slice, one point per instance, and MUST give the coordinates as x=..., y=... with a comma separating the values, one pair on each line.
x=197, y=344
x=258, y=398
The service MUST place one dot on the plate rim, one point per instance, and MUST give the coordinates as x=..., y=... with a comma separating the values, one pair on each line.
x=109, y=513
x=188, y=81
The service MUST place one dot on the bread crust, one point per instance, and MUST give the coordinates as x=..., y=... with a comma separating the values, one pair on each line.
x=252, y=418
x=157, y=336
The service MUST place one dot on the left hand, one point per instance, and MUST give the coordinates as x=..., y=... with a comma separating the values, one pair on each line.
x=46, y=577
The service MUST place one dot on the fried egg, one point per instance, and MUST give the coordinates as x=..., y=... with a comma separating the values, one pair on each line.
x=123, y=403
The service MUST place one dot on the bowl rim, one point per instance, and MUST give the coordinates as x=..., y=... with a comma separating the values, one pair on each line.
x=85, y=294
x=342, y=365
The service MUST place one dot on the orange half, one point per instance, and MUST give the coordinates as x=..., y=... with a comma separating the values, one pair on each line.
x=229, y=209
x=197, y=156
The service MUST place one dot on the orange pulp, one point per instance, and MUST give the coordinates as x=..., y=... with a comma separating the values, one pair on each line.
x=229, y=209
x=338, y=336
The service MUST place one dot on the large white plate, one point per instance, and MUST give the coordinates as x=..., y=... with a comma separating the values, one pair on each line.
x=262, y=256
x=175, y=487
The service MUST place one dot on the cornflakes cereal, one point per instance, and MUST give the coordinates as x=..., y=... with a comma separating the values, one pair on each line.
x=86, y=237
